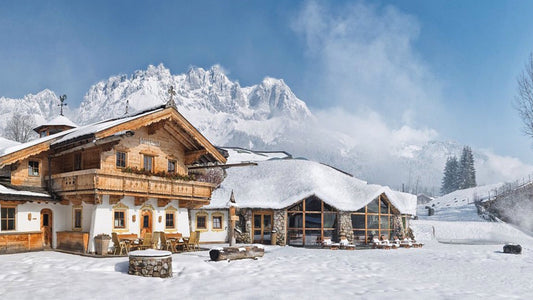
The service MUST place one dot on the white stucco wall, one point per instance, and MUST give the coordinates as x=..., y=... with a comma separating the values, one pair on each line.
x=102, y=218
x=210, y=235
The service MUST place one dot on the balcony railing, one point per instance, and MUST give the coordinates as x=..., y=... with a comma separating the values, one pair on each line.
x=98, y=181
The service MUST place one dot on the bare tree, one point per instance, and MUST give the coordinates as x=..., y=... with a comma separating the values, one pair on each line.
x=523, y=101
x=20, y=128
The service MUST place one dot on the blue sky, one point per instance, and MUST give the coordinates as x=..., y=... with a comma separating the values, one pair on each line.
x=446, y=65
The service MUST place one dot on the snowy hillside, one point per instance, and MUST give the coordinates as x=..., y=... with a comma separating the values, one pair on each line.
x=269, y=116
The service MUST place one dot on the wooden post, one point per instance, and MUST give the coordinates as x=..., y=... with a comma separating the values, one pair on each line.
x=232, y=216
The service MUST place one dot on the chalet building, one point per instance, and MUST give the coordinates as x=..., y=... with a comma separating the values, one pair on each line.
x=128, y=175
x=304, y=202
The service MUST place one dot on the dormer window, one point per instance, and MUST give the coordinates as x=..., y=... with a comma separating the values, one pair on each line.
x=43, y=133
x=33, y=168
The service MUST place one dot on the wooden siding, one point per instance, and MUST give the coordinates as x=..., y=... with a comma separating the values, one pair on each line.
x=73, y=241
x=20, y=175
x=13, y=242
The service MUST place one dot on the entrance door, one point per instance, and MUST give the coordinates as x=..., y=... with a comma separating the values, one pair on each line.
x=262, y=227
x=146, y=222
x=46, y=227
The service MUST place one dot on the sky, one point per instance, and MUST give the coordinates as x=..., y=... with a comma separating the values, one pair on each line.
x=446, y=69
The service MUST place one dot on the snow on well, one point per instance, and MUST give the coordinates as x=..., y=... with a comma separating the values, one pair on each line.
x=277, y=184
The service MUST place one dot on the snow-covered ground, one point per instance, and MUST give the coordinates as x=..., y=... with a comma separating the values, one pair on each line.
x=434, y=271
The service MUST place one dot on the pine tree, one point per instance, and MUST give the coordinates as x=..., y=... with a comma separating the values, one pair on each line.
x=467, y=171
x=450, y=180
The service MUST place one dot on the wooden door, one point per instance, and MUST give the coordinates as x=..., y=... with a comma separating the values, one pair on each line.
x=146, y=222
x=262, y=227
x=46, y=227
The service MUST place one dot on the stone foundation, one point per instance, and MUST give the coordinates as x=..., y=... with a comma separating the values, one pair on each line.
x=150, y=263
x=280, y=223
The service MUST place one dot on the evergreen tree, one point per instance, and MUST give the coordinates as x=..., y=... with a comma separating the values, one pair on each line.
x=450, y=180
x=467, y=171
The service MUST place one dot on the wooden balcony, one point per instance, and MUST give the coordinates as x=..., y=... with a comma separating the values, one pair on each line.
x=97, y=182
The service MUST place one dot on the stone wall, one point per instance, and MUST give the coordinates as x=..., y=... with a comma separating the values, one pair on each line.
x=345, y=225
x=150, y=266
x=280, y=226
x=245, y=236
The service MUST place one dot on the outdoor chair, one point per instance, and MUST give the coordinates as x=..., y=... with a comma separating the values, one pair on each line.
x=193, y=242
x=377, y=244
x=147, y=241
x=155, y=239
x=165, y=243
x=388, y=245
x=405, y=243
x=415, y=243
x=118, y=246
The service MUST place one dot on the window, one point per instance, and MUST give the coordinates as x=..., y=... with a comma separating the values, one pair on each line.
x=7, y=218
x=172, y=166
x=201, y=222
x=310, y=222
x=43, y=133
x=373, y=220
x=217, y=222
x=121, y=159
x=169, y=220
x=119, y=219
x=77, y=161
x=33, y=168
x=148, y=163
x=76, y=216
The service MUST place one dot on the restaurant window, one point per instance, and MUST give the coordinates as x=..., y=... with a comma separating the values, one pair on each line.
x=217, y=222
x=201, y=221
x=77, y=161
x=311, y=221
x=33, y=168
x=121, y=159
x=172, y=166
x=119, y=220
x=76, y=216
x=7, y=217
x=170, y=220
x=372, y=221
x=148, y=163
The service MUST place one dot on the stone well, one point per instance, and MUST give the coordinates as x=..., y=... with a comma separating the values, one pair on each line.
x=150, y=263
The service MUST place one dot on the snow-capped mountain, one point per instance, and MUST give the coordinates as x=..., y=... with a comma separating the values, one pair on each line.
x=269, y=116
x=41, y=106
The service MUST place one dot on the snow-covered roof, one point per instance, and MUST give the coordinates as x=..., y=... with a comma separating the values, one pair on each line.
x=5, y=143
x=97, y=127
x=73, y=133
x=8, y=191
x=241, y=155
x=277, y=184
x=59, y=121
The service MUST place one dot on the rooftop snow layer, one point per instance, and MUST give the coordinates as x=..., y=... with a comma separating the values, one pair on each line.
x=59, y=121
x=7, y=191
x=5, y=143
x=240, y=155
x=277, y=184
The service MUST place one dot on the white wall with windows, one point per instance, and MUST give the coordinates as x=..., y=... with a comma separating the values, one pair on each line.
x=210, y=232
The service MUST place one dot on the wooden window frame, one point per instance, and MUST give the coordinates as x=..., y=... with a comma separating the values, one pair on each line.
x=152, y=158
x=379, y=214
x=74, y=210
x=31, y=169
x=217, y=215
x=125, y=212
x=6, y=218
x=167, y=213
x=172, y=161
x=206, y=218
x=304, y=211
x=117, y=152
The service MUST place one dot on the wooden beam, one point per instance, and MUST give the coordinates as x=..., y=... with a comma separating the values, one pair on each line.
x=114, y=199
x=140, y=201
x=162, y=202
x=184, y=139
x=193, y=156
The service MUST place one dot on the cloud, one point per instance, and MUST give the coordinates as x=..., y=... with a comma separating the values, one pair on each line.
x=363, y=58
